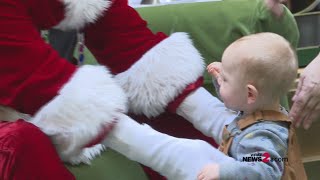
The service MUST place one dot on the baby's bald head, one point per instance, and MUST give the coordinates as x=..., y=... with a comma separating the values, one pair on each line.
x=265, y=60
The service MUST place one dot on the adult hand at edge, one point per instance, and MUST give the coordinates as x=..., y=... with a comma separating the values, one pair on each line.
x=275, y=6
x=306, y=101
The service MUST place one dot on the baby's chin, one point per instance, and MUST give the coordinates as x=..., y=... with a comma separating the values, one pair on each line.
x=233, y=108
x=230, y=107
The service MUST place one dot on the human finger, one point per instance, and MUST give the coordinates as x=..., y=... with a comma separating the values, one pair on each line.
x=313, y=115
x=213, y=65
x=201, y=176
x=214, y=71
x=298, y=109
x=299, y=87
x=210, y=66
x=210, y=69
x=308, y=110
x=307, y=114
x=309, y=92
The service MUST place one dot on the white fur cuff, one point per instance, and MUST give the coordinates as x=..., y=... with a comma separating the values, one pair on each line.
x=88, y=101
x=78, y=13
x=161, y=75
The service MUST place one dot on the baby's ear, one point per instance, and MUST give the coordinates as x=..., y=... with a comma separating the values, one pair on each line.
x=252, y=94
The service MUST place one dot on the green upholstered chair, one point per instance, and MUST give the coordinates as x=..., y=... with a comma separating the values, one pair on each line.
x=109, y=166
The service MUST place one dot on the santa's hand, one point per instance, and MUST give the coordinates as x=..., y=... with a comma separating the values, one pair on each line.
x=306, y=106
x=209, y=172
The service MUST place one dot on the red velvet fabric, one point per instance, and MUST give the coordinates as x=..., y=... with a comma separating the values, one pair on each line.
x=121, y=37
x=31, y=72
x=173, y=106
x=27, y=153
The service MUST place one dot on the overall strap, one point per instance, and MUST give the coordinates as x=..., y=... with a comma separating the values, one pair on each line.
x=258, y=116
x=226, y=141
x=294, y=168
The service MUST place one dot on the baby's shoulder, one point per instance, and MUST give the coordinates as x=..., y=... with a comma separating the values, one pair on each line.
x=269, y=128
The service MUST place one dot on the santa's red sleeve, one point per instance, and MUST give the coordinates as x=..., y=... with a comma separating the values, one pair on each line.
x=69, y=104
x=156, y=71
x=27, y=153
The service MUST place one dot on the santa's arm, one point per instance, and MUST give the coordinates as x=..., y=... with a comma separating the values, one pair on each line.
x=69, y=104
x=157, y=72
x=153, y=69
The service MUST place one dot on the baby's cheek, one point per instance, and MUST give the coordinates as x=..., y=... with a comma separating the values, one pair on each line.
x=220, y=82
x=222, y=94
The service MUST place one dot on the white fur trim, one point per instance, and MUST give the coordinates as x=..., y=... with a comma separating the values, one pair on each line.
x=74, y=117
x=161, y=74
x=87, y=155
x=81, y=12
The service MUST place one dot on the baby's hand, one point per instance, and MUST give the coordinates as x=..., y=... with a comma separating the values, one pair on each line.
x=214, y=69
x=209, y=172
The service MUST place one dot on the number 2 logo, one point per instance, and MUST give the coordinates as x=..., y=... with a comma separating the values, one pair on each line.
x=266, y=157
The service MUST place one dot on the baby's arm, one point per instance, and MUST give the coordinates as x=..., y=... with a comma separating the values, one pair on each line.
x=175, y=158
x=206, y=112
x=259, y=139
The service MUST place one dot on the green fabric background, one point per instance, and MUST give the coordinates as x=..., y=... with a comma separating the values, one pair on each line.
x=109, y=166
